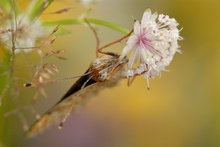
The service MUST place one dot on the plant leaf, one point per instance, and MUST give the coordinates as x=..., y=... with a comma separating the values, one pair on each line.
x=36, y=8
x=63, y=22
x=108, y=25
x=90, y=20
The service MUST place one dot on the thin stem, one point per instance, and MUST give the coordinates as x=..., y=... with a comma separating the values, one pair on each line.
x=90, y=20
x=13, y=37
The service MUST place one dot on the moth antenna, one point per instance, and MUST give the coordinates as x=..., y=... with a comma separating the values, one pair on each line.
x=74, y=102
x=84, y=84
x=29, y=84
x=67, y=114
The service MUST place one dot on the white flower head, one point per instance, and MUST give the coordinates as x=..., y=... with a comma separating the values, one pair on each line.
x=153, y=44
x=26, y=33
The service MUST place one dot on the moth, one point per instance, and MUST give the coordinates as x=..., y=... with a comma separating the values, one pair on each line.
x=103, y=72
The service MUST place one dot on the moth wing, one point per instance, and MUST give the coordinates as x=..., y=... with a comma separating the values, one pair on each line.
x=71, y=99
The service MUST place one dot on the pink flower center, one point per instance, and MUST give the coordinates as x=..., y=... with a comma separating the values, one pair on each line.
x=144, y=43
x=143, y=40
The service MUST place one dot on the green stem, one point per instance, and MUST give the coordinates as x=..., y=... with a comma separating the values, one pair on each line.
x=109, y=25
x=92, y=21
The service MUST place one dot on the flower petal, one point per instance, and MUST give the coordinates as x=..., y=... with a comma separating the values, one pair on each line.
x=146, y=17
x=137, y=28
x=125, y=51
x=132, y=58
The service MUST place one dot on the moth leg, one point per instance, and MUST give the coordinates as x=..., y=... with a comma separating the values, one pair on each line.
x=96, y=36
x=67, y=114
x=99, y=50
x=130, y=80
x=112, y=43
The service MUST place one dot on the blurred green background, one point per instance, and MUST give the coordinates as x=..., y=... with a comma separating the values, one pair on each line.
x=182, y=108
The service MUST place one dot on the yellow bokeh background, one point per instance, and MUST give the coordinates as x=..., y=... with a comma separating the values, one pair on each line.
x=182, y=108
